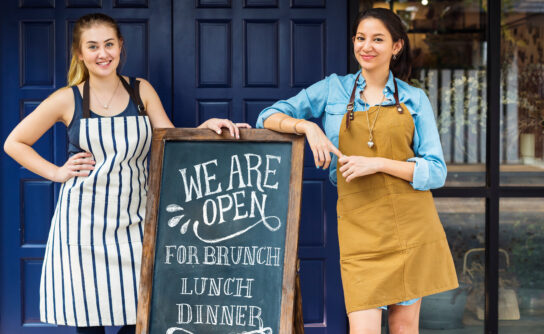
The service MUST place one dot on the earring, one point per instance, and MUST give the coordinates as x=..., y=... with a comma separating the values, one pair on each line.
x=395, y=57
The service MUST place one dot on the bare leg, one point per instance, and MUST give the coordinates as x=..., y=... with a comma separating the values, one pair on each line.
x=404, y=319
x=365, y=321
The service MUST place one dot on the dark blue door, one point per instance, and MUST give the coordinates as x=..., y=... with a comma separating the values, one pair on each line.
x=208, y=58
x=36, y=36
x=232, y=59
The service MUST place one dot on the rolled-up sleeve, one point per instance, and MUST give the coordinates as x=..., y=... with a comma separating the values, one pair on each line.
x=430, y=168
x=308, y=103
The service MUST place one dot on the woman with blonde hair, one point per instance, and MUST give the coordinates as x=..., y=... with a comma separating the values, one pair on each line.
x=92, y=260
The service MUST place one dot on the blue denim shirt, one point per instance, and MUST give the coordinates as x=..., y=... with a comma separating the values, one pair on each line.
x=327, y=99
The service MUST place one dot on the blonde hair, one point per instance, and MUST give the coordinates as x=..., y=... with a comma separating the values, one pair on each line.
x=78, y=71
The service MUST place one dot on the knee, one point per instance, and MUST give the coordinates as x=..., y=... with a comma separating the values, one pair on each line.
x=364, y=329
x=403, y=326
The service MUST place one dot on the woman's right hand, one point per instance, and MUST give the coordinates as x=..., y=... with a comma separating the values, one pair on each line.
x=320, y=144
x=80, y=164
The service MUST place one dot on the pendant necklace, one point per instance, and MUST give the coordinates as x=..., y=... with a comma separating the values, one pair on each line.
x=107, y=105
x=370, y=128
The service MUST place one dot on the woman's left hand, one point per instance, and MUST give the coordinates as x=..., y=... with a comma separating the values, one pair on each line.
x=357, y=166
x=216, y=124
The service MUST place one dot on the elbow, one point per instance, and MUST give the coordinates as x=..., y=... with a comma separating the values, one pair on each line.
x=438, y=178
x=444, y=174
x=428, y=174
x=8, y=147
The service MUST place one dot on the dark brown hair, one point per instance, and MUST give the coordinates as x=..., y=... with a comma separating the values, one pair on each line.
x=402, y=65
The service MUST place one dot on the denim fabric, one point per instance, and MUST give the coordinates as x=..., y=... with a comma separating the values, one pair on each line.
x=327, y=99
x=404, y=303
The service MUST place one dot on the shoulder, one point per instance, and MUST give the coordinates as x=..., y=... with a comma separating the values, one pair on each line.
x=339, y=86
x=62, y=95
x=146, y=89
x=144, y=83
x=413, y=97
x=61, y=101
x=58, y=106
x=334, y=80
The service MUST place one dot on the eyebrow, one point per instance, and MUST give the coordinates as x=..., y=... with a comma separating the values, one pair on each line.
x=92, y=42
x=378, y=34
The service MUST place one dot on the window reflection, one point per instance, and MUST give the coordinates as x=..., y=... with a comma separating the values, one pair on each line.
x=521, y=270
x=522, y=89
x=460, y=310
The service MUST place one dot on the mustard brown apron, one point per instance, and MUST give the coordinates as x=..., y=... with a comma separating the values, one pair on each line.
x=392, y=245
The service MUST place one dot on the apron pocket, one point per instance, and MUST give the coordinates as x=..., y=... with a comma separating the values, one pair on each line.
x=368, y=230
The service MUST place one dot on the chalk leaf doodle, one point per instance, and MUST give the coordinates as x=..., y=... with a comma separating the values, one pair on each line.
x=272, y=223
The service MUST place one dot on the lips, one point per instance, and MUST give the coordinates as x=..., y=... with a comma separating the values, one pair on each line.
x=367, y=57
x=104, y=63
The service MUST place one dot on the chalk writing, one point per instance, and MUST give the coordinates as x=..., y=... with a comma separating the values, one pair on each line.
x=225, y=251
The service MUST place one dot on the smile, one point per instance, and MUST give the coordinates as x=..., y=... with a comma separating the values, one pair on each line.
x=367, y=57
x=104, y=63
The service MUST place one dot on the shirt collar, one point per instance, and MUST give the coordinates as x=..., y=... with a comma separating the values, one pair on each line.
x=389, y=85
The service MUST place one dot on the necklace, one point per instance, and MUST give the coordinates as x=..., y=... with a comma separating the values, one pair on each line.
x=370, y=128
x=107, y=105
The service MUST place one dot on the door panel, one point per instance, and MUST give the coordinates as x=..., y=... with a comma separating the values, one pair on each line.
x=248, y=55
x=230, y=59
x=36, y=38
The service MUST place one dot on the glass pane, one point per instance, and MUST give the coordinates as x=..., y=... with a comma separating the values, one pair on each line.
x=448, y=45
x=521, y=267
x=522, y=90
x=460, y=311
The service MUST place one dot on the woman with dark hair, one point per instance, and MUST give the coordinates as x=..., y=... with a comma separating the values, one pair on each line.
x=91, y=266
x=386, y=156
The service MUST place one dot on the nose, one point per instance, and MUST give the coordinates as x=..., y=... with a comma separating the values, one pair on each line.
x=367, y=45
x=102, y=52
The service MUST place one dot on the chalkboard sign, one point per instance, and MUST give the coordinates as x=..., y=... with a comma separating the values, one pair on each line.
x=221, y=233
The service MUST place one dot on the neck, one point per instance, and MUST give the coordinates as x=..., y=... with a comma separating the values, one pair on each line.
x=377, y=78
x=104, y=84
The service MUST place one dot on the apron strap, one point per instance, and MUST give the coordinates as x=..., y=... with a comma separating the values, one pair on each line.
x=396, y=94
x=133, y=92
x=350, y=105
x=86, y=99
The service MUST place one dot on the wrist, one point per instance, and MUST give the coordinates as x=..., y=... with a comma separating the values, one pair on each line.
x=380, y=164
x=203, y=125
x=304, y=126
x=53, y=174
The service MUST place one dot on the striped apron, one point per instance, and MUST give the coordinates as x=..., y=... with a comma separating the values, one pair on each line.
x=91, y=268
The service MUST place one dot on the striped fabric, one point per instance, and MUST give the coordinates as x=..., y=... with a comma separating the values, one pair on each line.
x=91, y=269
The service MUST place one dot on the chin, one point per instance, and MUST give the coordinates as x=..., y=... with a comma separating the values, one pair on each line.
x=105, y=73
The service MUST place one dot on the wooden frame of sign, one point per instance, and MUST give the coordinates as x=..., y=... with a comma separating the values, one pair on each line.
x=183, y=317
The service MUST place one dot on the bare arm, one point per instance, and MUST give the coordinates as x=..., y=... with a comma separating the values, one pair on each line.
x=153, y=106
x=321, y=146
x=357, y=166
x=56, y=108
